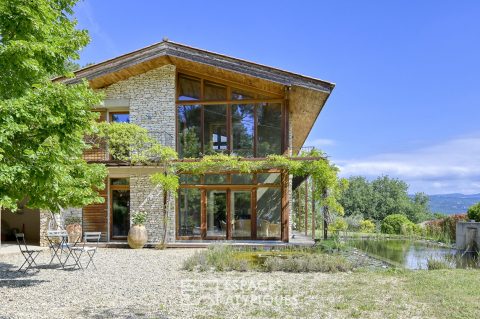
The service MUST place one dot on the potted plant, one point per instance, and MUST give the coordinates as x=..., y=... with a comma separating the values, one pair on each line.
x=137, y=235
x=73, y=226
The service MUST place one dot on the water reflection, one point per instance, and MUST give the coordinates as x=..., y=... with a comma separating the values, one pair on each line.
x=413, y=254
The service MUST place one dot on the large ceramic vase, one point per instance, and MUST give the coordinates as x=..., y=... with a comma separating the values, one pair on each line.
x=137, y=236
x=74, y=232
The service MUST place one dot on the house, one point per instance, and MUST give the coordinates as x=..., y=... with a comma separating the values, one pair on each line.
x=200, y=102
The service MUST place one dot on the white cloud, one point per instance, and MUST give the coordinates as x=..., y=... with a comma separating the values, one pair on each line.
x=319, y=142
x=452, y=166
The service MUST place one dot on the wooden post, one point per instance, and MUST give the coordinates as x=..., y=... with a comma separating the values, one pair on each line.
x=325, y=214
x=306, y=207
x=313, y=210
x=299, y=209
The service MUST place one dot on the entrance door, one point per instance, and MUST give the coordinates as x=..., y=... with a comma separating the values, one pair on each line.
x=119, y=208
x=241, y=214
x=216, y=214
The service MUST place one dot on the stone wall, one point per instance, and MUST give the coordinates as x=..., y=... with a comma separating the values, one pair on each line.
x=151, y=98
x=149, y=198
x=44, y=221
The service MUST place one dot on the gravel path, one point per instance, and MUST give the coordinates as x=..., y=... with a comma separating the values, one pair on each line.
x=149, y=283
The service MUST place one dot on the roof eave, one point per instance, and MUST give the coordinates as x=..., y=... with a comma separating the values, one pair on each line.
x=199, y=56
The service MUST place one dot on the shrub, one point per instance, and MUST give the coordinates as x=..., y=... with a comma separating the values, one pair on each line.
x=444, y=229
x=354, y=222
x=435, y=264
x=367, y=226
x=338, y=225
x=216, y=257
x=473, y=212
x=308, y=263
x=397, y=224
x=139, y=218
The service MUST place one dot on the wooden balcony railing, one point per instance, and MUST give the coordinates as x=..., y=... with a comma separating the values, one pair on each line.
x=98, y=151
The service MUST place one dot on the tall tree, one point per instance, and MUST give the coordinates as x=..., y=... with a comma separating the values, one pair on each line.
x=382, y=197
x=391, y=197
x=359, y=198
x=42, y=124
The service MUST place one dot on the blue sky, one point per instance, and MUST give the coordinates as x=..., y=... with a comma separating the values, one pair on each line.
x=407, y=98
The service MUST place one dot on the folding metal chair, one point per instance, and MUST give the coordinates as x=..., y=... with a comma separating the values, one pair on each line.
x=29, y=254
x=77, y=251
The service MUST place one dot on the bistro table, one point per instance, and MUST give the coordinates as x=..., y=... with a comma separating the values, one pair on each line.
x=58, y=243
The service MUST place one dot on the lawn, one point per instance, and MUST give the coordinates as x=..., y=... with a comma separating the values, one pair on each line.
x=151, y=284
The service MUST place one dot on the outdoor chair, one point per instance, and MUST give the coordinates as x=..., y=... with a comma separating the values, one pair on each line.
x=29, y=254
x=78, y=250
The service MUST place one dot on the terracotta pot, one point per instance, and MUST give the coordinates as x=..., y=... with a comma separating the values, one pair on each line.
x=74, y=232
x=137, y=236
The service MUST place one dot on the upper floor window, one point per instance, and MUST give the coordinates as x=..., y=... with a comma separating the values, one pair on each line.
x=119, y=117
x=214, y=117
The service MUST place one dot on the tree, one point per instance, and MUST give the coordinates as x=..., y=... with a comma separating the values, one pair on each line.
x=420, y=210
x=42, y=124
x=358, y=198
x=391, y=197
x=382, y=197
x=473, y=212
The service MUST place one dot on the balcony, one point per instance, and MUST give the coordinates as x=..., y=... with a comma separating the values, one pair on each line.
x=98, y=147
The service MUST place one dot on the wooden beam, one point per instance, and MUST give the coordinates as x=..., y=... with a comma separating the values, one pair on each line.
x=306, y=207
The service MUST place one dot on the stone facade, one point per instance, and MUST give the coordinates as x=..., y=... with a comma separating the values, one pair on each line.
x=149, y=198
x=152, y=101
x=44, y=226
x=151, y=98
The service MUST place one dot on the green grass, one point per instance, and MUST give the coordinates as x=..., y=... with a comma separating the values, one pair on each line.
x=449, y=294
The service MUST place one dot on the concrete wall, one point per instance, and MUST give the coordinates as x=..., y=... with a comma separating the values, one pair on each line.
x=466, y=233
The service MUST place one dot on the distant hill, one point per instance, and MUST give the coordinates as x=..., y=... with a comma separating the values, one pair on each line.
x=452, y=203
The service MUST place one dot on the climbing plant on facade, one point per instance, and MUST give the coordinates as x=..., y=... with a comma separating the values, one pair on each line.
x=131, y=143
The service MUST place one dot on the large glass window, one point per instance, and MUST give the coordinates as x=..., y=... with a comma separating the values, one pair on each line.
x=269, y=129
x=216, y=213
x=241, y=214
x=268, y=178
x=188, y=88
x=243, y=129
x=215, y=179
x=247, y=124
x=215, y=129
x=189, y=130
x=269, y=212
x=216, y=209
x=189, y=212
x=214, y=92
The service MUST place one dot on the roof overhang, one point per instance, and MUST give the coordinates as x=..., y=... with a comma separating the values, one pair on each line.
x=306, y=95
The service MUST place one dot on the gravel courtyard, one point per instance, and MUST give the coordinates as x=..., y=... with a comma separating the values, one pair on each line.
x=149, y=283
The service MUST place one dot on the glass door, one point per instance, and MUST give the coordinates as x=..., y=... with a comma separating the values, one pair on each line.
x=119, y=208
x=216, y=214
x=241, y=213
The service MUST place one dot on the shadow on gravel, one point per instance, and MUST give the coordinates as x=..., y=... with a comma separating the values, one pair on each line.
x=11, y=278
x=121, y=313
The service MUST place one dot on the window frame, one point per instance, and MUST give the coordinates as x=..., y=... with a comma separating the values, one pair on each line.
x=282, y=185
x=112, y=113
x=259, y=97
